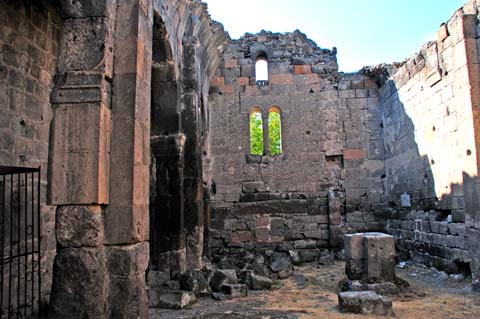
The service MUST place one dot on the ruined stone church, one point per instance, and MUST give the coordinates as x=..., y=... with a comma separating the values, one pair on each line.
x=125, y=132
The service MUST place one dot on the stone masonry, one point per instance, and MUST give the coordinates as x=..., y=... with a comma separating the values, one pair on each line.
x=430, y=125
x=29, y=42
x=138, y=113
x=381, y=149
x=328, y=178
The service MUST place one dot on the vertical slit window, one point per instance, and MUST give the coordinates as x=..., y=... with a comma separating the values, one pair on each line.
x=274, y=131
x=256, y=132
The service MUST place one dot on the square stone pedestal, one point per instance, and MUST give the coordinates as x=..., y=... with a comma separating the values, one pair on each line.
x=370, y=257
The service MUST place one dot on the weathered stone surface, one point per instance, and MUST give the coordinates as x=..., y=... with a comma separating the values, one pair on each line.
x=170, y=299
x=235, y=290
x=80, y=153
x=222, y=277
x=80, y=284
x=173, y=284
x=355, y=268
x=79, y=226
x=280, y=261
x=87, y=8
x=157, y=279
x=195, y=248
x=128, y=260
x=196, y=281
x=384, y=288
x=253, y=187
x=126, y=219
x=370, y=257
x=364, y=302
x=127, y=296
x=354, y=246
x=379, y=257
x=87, y=44
x=255, y=282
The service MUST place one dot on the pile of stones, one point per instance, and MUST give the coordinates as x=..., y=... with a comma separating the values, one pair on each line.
x=370, y=268
x=221, y=281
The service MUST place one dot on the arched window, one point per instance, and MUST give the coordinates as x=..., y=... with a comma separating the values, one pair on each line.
x=261, y=69
x=256, y=131
x=274, y=131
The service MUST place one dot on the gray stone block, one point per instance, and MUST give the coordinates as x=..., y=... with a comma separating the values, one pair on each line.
x=222, y=277
x=235, y=290
x=170, y=299
x=85, y=300
x=255, y=282
x=364, y=302
x=79, y=226
x=253, y=187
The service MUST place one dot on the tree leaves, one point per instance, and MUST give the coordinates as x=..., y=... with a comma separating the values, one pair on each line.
x=256, y=134
x=274, y=133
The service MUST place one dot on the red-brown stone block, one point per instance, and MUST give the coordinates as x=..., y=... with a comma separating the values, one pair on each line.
x=303, y=69
x=218, y=81
x=281, y=79
x=243, y=80
x=231, y=63
x=354, y=154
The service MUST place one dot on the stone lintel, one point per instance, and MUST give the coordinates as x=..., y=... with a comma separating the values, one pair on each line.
x=81, y=87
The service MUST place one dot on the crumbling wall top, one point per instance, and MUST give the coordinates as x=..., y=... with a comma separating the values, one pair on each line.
x=292, y=46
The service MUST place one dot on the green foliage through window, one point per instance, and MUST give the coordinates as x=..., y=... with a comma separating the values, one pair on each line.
x=274, y=133
x=256, y=133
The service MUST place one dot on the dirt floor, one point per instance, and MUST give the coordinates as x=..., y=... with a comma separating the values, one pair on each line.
x=311, y=294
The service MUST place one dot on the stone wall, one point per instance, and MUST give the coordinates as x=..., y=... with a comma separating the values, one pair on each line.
x=325, y=181
x=29, y=40
x=430, y=151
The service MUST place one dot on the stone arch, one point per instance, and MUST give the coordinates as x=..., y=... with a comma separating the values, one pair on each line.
x=164, y=110
x=167, y=249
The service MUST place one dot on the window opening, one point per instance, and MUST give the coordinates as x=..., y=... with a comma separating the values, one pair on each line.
x=256, y=132
x=274, y=131
x=261, y=70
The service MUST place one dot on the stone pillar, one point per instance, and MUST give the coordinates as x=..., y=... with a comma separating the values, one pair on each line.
x=471, y=166
x=126, y=218
x=167, y=231
x=79, y=158
x=266, y=141
x=335, y=208
x=206, y=222
x=370, y=257
x=193, y=184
